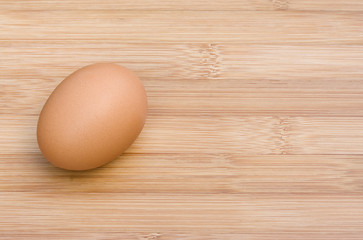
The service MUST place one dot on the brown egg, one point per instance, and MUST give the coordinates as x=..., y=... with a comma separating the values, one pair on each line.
x=92, y=117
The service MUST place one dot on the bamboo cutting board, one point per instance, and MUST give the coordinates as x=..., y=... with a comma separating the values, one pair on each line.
x=255, y=126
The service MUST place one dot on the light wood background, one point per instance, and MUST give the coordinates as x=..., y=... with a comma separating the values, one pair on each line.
x=255, y=127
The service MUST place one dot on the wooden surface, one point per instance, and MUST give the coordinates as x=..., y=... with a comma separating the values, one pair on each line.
x=255, y=128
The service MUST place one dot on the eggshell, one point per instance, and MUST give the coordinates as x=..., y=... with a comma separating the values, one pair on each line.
x=92, y=117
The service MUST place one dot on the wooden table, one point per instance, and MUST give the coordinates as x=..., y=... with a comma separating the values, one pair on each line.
x=255, y=127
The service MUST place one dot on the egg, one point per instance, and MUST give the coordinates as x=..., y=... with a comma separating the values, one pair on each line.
x=92, y=117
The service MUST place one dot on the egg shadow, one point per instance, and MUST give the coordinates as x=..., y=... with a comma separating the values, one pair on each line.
x=93, y=180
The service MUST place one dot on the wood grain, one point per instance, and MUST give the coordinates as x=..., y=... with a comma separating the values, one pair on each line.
x=279, y=27
x=178, y=5
x=255, y=126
